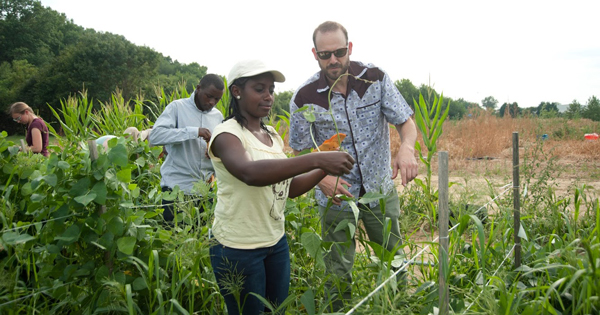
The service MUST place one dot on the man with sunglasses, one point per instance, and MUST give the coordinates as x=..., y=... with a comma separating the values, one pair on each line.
x=364, y=102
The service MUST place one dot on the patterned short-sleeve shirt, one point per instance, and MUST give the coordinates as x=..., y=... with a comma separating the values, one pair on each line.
x=371, y=104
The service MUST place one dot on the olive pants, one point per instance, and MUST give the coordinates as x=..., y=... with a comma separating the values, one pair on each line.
x=340, y=260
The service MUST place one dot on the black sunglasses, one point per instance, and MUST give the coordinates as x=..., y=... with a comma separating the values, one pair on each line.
x=324, y=55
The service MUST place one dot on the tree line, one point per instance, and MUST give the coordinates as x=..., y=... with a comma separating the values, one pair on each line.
x=45, y=58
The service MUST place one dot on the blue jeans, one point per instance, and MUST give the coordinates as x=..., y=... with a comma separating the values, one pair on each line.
x=264, y=271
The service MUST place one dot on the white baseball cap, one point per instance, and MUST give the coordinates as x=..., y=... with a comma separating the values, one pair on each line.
x=250, y=68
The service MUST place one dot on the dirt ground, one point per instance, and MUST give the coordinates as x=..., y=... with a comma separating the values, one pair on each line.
x=472, y=176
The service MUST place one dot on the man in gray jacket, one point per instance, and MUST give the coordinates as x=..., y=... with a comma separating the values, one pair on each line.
x=184, y=129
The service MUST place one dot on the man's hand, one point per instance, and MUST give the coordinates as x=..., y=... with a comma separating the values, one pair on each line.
x=328, y=186
x=406, y=162
x=204, y=133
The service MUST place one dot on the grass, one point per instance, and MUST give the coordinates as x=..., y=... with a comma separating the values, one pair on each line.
x=16, y=139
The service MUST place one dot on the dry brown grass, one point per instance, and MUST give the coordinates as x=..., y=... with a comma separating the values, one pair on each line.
x=481, y=147
x=490, y=137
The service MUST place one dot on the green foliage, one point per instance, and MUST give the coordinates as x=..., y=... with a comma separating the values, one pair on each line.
x=547, y=110
x=13, y=76
x=429, y=119
x=575, y=110
x=116, y=116
x=509, y=109
x=155, y=108
x=489, y=103
x=171, y=73
x=32, y=32
x=592, y=109
x=458, y=108
x=83, y=236
x=95, y=243
x=281, y=104
x=45, y=58
x=408, y=90
x=75, y=118
x=103, y=62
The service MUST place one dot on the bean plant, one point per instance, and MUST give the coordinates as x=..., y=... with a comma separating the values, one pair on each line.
x=82, y=234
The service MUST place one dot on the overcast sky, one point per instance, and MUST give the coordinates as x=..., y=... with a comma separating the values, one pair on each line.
x=516, y=51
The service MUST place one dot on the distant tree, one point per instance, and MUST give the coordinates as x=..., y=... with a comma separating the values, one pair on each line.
x=13, y=77
x=592, y=109
x=102, y=62
x=489, y=102
x=282, y=102
x=511, y=109
x=34, y=33
x=547, y=110
x=44, y=58
x=528, y=112
x=574, y=111
x=472, y=106
x=172, y=73
x=14, y=9
x=408, y=90
x=458, y=108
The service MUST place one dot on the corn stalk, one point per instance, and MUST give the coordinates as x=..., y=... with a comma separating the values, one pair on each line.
x=429, y=120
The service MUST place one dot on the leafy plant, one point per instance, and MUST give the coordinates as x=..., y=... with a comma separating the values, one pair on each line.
x=429, y=120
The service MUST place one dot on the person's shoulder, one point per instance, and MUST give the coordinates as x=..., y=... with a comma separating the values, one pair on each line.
x=271, y=129
x=308, y=87
x=216, y=112
x=228, y=125
x=38, y=122
x=367, y=71
x=179, y=102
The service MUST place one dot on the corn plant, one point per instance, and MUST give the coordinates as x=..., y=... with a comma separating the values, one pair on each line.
x=117, y=115
x=76, y=119
x=429, y=119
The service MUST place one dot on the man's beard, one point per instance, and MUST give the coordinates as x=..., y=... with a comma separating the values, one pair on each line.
x=341, y=70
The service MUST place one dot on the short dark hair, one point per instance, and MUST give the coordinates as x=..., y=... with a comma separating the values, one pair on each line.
x=212, y=79
x=329, y=26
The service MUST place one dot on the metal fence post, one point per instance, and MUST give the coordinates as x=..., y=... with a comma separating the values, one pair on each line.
x=517, y=199
x=443, y=231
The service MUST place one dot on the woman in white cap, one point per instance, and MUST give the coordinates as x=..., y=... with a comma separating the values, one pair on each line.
x=255, y=178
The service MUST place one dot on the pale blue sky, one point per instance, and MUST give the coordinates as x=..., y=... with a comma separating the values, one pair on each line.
x=516, y=51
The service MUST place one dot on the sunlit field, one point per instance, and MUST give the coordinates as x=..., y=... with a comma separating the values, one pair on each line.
x=84, y=235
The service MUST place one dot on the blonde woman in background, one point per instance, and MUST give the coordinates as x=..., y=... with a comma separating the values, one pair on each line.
x=37, y=131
